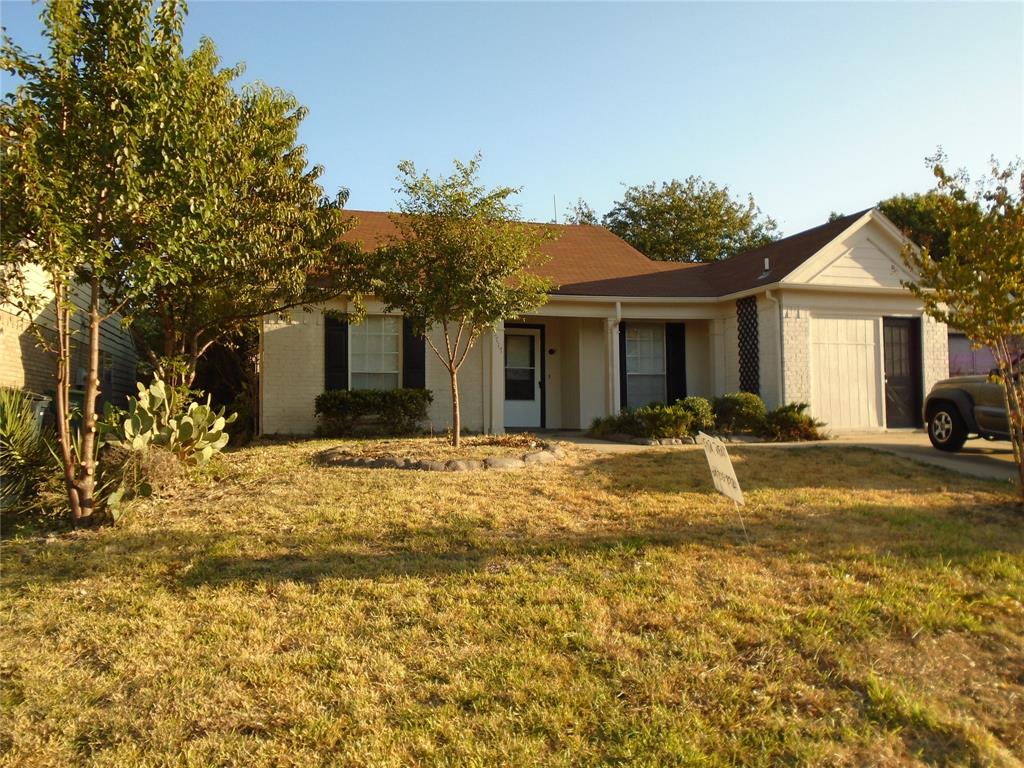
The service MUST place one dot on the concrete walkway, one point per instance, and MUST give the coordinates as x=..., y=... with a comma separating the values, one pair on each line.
x=979, y=458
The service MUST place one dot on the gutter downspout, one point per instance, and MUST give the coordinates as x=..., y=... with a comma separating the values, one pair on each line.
x=779, y=347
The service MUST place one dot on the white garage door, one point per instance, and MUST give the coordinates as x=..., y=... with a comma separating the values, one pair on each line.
x=844, y=372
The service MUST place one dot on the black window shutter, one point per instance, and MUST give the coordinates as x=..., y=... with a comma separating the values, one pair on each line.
x=675, y=361
x=414, y=358
x=335, y=353
x=622, y=365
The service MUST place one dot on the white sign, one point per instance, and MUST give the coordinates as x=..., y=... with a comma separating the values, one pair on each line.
x=720, y=464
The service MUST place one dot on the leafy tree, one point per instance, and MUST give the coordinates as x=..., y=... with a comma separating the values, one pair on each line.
x=691, y=220
x=979, y=286
x=462, y=260
x=920, y=216
x=139, y=185
x=580, y=212
x=269, y=241
x=835, y=216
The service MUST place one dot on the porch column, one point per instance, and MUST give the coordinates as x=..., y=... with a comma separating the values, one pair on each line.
x=494, y=381
x=717, y=327
x=611, y=334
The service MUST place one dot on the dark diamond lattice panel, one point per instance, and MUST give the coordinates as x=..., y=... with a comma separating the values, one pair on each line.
x=746, y=331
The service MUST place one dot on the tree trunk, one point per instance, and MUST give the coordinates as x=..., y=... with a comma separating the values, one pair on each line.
x=87, y=471
x=456, y=417
x=61, y=399
x=1013, y=400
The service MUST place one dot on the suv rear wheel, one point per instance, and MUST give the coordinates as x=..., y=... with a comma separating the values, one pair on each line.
x=946, y=429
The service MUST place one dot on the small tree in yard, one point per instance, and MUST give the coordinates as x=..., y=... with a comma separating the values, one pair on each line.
x=978, y=287
x=462, y=260
x=135, y=176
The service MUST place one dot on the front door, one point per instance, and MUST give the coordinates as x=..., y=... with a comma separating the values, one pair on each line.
x=522, y=378
x=902, y=354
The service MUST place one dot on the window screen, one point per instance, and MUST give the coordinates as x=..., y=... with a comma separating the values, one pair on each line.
x=374, y=360
x=645, y=364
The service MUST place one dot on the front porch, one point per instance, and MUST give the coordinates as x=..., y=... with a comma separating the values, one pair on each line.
x=562, y=372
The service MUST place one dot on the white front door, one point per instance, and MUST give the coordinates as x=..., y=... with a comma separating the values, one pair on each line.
x=522, y=378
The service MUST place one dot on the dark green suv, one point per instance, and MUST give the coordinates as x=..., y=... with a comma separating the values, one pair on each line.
x=962, y=406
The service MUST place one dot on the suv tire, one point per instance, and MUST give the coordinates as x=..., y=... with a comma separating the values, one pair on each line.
x=946, y=428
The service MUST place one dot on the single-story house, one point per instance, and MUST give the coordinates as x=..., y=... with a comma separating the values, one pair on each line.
x=819, y=317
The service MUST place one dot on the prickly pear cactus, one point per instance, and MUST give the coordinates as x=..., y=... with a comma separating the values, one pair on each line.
x=194, y=436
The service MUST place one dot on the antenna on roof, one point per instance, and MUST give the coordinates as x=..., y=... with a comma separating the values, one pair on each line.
x=767, y=265
x=554, y=205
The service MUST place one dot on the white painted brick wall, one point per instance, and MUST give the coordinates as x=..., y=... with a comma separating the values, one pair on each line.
x=292, y=371
x=471, y=384
x=796, y=353
x=935, y=348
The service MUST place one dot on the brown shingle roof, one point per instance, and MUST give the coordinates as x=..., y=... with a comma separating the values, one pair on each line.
x=588, y=260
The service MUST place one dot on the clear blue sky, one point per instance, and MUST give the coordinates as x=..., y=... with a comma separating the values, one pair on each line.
x=810, y=107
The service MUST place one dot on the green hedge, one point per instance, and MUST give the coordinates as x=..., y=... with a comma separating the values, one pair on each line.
x=347, y=412
x=789, y=423
x=654, y=420
x=740, y=412
x=732, y=413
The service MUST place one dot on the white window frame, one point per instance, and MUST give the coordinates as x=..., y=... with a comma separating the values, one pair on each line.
x=659, y=328
x=362, y=326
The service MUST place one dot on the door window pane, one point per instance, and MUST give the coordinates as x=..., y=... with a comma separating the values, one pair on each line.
x=374, y=356
x=645, y=364
x=520, y=371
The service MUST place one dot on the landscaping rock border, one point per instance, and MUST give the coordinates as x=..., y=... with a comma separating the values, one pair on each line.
x=623, y=438
x=546, y=453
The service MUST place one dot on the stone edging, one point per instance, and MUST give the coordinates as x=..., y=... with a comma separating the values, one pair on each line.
x=546, y=454
x=623, y=438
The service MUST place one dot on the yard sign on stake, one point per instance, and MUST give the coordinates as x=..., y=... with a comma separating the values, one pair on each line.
x=722, y=473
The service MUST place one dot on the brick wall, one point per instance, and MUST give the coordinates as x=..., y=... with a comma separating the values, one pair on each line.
x=796, y=354
x=292, y=373
x=935, y=348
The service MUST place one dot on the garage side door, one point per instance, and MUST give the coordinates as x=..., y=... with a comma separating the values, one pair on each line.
x=844, y=372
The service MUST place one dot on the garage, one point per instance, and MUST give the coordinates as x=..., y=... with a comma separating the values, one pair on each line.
x=866, y=372
x=845, y=378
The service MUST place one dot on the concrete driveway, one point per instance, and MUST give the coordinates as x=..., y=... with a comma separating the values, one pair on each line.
x=979, y=458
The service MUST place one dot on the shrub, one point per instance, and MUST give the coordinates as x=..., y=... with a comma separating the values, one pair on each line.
x=740, y=412
x=654, y=420
x=792, y=422
x=26, y=459
x=346, y=412
x=702, y=416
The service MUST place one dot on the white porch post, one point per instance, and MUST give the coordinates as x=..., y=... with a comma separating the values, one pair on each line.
x=611, y=332
x=494, y=377
x=718, y=356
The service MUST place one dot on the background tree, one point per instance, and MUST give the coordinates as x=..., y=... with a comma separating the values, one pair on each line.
x=979, y=286
x=580, y=212
x=462, y=260
x=920, y=216
x=269, y=241
x=691, y=220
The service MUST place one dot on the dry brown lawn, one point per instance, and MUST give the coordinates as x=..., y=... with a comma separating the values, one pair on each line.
x=603, y=610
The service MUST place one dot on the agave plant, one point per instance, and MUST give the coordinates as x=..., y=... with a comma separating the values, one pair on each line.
x=26, y=451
